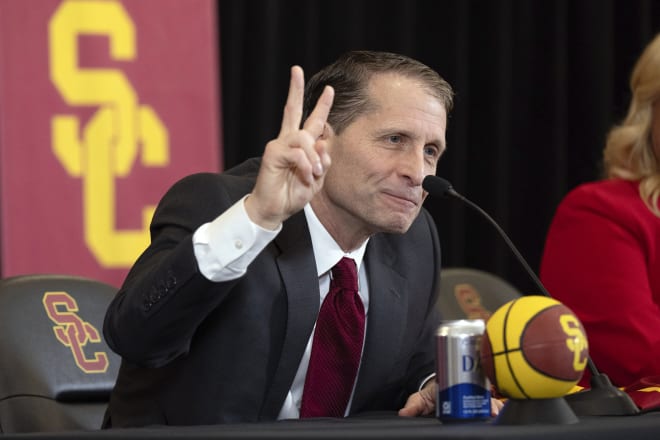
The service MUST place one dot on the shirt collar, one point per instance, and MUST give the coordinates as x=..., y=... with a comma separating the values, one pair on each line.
x=326, y=250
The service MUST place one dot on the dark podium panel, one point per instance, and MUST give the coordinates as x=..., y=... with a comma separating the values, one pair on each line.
x=384, y=426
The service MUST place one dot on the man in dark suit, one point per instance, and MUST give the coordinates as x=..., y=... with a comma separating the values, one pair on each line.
x=216, y=320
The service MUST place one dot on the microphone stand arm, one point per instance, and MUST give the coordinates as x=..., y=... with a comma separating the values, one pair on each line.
x=508, y=241
x=602, y=398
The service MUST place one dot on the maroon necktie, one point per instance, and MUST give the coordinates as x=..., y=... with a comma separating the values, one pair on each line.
x=336, y=347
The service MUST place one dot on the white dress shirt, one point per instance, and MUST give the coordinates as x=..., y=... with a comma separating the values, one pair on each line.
x=226, y=246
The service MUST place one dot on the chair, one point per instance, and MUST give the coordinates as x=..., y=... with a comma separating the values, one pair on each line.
x=56, y=372
x=467, y=293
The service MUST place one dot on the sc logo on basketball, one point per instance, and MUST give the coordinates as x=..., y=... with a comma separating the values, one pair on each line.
x=73, y=332
x=576, y=340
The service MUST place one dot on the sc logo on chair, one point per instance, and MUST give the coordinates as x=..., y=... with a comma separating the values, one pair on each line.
x=73, y=332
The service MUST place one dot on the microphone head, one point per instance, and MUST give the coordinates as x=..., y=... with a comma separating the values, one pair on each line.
x=437, y=186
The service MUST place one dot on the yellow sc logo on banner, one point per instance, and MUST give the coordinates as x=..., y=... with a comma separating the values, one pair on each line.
x=119, y=132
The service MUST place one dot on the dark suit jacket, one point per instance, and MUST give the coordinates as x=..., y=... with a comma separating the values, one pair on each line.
x=199, y=352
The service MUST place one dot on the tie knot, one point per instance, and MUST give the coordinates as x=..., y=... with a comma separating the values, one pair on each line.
x=344, y=274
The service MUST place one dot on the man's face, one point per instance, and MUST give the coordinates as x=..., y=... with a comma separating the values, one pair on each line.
x=380, y=160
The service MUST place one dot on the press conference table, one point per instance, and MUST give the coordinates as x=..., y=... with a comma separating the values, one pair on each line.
x=383, y=426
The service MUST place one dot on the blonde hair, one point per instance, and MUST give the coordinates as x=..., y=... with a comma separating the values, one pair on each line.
x=629, y=152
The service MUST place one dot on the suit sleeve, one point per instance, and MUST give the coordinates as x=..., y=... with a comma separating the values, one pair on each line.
x=422, y=363
x=165, y=297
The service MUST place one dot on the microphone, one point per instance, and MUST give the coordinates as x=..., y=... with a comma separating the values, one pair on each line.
x=602, y=398
x=439, y=187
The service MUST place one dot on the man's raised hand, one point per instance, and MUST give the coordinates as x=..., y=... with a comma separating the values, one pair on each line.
x=294, y=164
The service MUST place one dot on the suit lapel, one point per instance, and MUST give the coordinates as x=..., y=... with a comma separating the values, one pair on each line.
x=386, y=321
x=297, y=268
x=385, y=325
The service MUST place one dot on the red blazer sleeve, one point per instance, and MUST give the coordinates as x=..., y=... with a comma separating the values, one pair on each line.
x=602, y=260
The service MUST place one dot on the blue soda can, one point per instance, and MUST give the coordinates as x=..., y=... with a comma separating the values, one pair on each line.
x=463, y=388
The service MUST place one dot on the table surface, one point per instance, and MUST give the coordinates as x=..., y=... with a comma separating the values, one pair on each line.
x=385, y=426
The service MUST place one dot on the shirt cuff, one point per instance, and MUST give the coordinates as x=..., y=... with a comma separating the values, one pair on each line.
x=226, y=246
x=426, y=380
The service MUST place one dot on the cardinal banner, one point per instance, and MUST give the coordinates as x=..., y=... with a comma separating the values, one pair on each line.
x=103, y=105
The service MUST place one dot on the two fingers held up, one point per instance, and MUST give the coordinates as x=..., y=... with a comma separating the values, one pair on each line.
x=294, y=164
x=303, y=149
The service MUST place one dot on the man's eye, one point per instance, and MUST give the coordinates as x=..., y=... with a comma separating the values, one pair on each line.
x=394, y=139
x=431, y=150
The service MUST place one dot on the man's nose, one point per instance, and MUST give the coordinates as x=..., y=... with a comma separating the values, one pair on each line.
x=414, y=166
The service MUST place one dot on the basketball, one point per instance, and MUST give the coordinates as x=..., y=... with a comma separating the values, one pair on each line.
x=534, y=347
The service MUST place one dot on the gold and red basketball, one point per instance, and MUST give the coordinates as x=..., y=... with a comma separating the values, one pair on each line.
x=534, y=347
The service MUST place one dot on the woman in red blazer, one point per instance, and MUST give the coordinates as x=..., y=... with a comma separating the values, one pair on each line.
x=602, y=252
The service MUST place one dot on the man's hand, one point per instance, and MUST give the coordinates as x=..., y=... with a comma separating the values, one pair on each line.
x=422, y=403
x=294, y=164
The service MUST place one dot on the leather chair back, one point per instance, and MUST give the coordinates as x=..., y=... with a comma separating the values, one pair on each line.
x=56, y=371
x=467, y=293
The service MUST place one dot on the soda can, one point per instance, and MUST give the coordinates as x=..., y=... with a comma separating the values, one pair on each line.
x=463, y=388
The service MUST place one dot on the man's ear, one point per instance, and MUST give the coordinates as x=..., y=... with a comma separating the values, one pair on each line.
x=327, y=132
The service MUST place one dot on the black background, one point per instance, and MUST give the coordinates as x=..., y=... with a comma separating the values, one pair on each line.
x=538, y=85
